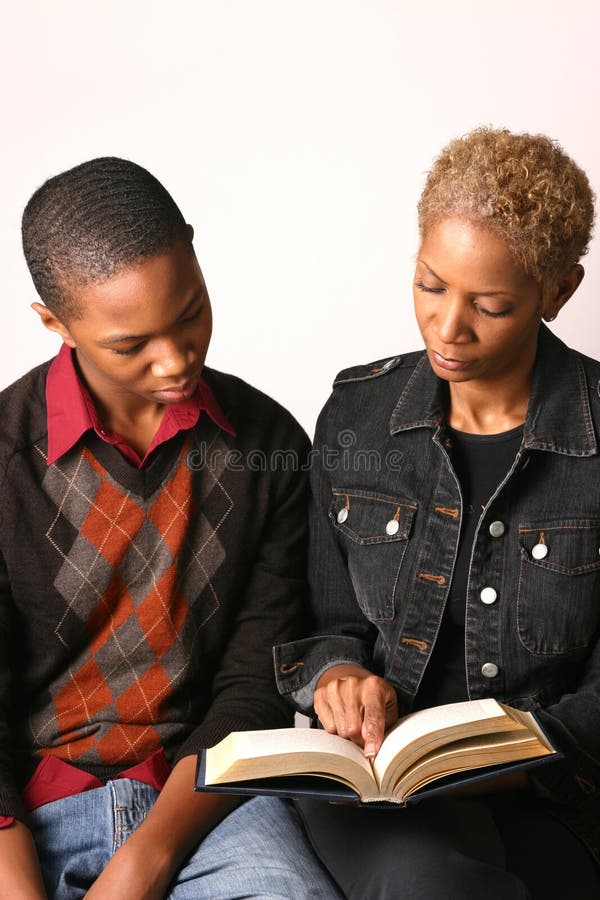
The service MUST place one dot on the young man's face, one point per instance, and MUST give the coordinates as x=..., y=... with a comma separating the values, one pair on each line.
x=143, y=334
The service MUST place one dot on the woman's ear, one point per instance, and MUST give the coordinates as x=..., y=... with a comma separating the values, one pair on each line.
x=562, y=291
x=50, y=321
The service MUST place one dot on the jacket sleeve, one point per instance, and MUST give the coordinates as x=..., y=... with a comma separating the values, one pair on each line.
x=574, y=724
x=336, y=628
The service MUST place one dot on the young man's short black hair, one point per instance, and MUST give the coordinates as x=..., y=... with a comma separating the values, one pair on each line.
x=86, y=224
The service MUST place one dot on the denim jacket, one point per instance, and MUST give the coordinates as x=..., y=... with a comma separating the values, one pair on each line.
x=385, y=525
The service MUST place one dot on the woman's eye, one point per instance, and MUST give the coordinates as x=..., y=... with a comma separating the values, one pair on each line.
x=428, y=290
x=493, y=315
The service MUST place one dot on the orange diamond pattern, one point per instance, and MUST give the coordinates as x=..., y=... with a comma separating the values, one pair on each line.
x=130, y=635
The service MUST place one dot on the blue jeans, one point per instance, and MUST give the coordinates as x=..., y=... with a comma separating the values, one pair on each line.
x=258, y=851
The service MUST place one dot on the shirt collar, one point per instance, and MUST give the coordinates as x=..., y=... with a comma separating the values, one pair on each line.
x=71, y=412
x=558, y=416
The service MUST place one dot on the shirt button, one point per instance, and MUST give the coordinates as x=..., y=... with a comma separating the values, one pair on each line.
x=342, y=515
x=540, y=551
x=489, y=670
x=488, y=595
x=497, y=528
x=392, y=527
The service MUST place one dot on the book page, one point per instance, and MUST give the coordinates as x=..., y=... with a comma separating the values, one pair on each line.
x=424, y=730
x=245, y=755
x=469, y=754
x=529, y=721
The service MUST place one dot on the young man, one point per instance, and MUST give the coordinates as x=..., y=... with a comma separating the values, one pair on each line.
x=151, y=553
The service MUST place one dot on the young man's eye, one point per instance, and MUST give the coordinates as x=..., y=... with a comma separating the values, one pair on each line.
x=193, y=316
x=428, y=290
x=128, y=352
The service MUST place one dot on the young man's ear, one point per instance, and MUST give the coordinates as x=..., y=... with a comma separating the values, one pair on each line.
x=50, y=322
x=190, y=231
x=563, y=291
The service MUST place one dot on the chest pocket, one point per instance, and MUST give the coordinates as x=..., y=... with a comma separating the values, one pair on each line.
x=374, y=530
x=558, y=601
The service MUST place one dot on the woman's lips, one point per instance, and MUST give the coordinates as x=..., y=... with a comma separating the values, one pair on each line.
x=452, y=365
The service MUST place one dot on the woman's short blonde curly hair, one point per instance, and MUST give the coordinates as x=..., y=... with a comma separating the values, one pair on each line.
x=524, y=188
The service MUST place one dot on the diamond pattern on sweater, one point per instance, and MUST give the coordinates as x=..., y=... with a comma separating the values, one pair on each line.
x=136, y=580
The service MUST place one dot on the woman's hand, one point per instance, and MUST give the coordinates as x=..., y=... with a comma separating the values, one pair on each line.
x=354, y=703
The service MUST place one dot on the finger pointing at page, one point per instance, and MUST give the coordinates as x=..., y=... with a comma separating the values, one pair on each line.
x=354, y=703
x=380, y=711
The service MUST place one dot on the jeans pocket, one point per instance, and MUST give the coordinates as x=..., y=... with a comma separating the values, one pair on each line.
x=559, y=585
x=374, y=530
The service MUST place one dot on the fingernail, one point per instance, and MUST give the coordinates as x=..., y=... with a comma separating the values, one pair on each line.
x=370, y=750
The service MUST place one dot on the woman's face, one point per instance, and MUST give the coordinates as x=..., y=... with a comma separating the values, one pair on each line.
x=478, y=311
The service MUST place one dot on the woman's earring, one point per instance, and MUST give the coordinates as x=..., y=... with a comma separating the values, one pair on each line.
x=551, y=318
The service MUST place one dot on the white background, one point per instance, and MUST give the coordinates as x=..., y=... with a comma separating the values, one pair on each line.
x=295, y=137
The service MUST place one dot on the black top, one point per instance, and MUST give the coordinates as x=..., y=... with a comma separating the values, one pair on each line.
x=480, y=462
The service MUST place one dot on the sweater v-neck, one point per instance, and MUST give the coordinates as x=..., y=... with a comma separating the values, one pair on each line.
x=142, y=482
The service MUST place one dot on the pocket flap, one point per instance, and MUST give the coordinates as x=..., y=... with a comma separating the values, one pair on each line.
x=571, y=546
x=367, y=517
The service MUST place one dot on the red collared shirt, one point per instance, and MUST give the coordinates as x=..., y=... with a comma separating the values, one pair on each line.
x=70, y=413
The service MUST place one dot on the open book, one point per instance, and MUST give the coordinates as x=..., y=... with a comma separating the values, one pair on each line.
x=473, y=739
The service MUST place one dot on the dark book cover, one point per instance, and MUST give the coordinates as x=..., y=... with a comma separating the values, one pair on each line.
x=316, y=787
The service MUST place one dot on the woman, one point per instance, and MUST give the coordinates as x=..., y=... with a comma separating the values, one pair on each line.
x=456, y=538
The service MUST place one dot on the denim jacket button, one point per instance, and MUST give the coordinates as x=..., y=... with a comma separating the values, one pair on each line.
x=540, y=551
x=497, y=528
x=488, y=595
x=489, y=670
x=342, y=515
x=392, y=527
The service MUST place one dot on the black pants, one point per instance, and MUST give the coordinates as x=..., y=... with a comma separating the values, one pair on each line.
x=501, y=848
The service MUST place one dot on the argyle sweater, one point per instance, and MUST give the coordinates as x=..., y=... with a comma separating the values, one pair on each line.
x=138, y=608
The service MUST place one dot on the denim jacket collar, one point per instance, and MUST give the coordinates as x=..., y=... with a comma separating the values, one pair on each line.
x=559, y=420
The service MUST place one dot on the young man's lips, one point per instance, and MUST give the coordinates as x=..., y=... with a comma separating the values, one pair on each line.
x=453, y=365
x=178, y=391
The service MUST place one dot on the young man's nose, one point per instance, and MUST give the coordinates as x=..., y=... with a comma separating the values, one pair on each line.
x=172, y=361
